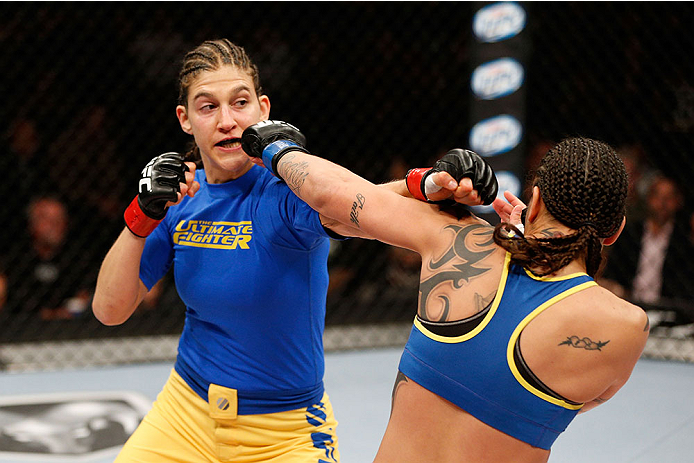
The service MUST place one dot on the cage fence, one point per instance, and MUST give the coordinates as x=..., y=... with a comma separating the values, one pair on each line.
x=90, y=92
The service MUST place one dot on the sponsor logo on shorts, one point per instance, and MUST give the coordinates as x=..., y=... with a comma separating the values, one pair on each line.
x=222, y=403
x=214, y=235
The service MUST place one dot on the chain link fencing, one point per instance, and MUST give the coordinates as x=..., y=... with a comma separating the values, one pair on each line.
x=89, y=92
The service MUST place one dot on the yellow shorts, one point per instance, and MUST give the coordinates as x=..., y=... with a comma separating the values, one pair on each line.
x=182, y=427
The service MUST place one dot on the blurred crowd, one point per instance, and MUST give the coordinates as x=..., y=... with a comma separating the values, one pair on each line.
x=91, y=99
x=70, y=194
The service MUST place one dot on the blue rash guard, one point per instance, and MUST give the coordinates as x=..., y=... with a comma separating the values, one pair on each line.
x=482, y=371
x=250, y=264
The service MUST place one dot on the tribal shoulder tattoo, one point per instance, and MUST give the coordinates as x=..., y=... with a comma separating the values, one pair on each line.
x=458, y=265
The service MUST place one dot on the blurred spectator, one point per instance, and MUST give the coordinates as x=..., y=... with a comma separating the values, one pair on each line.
x=23, y=159
x=87, y=167
x=50, y=277
x=536, y=151
x=4, y=288
x=640, y=175
x=372, y=282
x=652, y=262
x=24, y=151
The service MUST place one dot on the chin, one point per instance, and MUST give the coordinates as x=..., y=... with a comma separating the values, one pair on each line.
x=237, y=163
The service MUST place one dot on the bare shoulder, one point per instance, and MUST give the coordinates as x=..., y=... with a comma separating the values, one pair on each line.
x=595, y=339
x=612, y=307
x=626, y=324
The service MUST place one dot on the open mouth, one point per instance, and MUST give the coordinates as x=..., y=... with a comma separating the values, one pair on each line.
x=229, y=143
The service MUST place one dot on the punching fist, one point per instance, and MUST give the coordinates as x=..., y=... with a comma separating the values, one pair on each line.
x=159, y=183
x=270, y=140
x=458, y=163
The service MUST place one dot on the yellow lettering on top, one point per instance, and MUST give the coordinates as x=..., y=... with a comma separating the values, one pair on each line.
x=179, y=236
x=181, y=224
x=215, y=235
x=242, y=241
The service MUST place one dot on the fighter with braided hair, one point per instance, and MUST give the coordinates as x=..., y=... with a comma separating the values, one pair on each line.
x=584, y=193
x=513, y=337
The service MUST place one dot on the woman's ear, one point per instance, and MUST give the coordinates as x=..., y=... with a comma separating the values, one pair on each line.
x=183, y=119
x=264, y=102
x=611, y=239
x=534, y=206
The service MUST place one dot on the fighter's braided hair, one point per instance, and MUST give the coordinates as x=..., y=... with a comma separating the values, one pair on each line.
x=583, y=184
x=211, y=55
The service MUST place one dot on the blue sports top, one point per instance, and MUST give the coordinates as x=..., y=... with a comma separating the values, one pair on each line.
x=478, y=371
x=250, y=264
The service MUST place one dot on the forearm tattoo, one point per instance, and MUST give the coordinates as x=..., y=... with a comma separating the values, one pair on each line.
x=460, y=262
x=294, y=173
x=583, y=343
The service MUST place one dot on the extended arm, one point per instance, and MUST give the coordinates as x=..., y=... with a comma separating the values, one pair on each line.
x=398, y=187
x=463, y=174
x=340, y=194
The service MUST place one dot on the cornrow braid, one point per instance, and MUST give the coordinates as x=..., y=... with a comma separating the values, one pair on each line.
x=210, y=56
x=583, y=183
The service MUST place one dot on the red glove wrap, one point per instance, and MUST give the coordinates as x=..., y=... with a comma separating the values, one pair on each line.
x=414, y=182
x=137, y=221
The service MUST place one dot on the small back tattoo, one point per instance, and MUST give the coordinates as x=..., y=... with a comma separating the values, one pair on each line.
x=583, y=343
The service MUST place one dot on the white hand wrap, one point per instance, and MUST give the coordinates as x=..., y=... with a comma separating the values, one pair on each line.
x=429, y=185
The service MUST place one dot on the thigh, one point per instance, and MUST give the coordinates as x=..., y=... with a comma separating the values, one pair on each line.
x=176, y=429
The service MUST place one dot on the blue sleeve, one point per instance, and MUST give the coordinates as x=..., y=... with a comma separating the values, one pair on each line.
x=292, y=221
x=157, y=255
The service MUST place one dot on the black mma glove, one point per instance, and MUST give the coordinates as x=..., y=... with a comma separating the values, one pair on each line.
x=270, y=140
x=458, y=163
x=159, y=182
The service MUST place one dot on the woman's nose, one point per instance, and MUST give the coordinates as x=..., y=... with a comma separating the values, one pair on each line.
x=226, y=119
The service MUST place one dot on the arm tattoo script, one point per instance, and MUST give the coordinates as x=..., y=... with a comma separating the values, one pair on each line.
x=400, y=379
x=463, y=260
x=357, y=206
x=583, y=343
